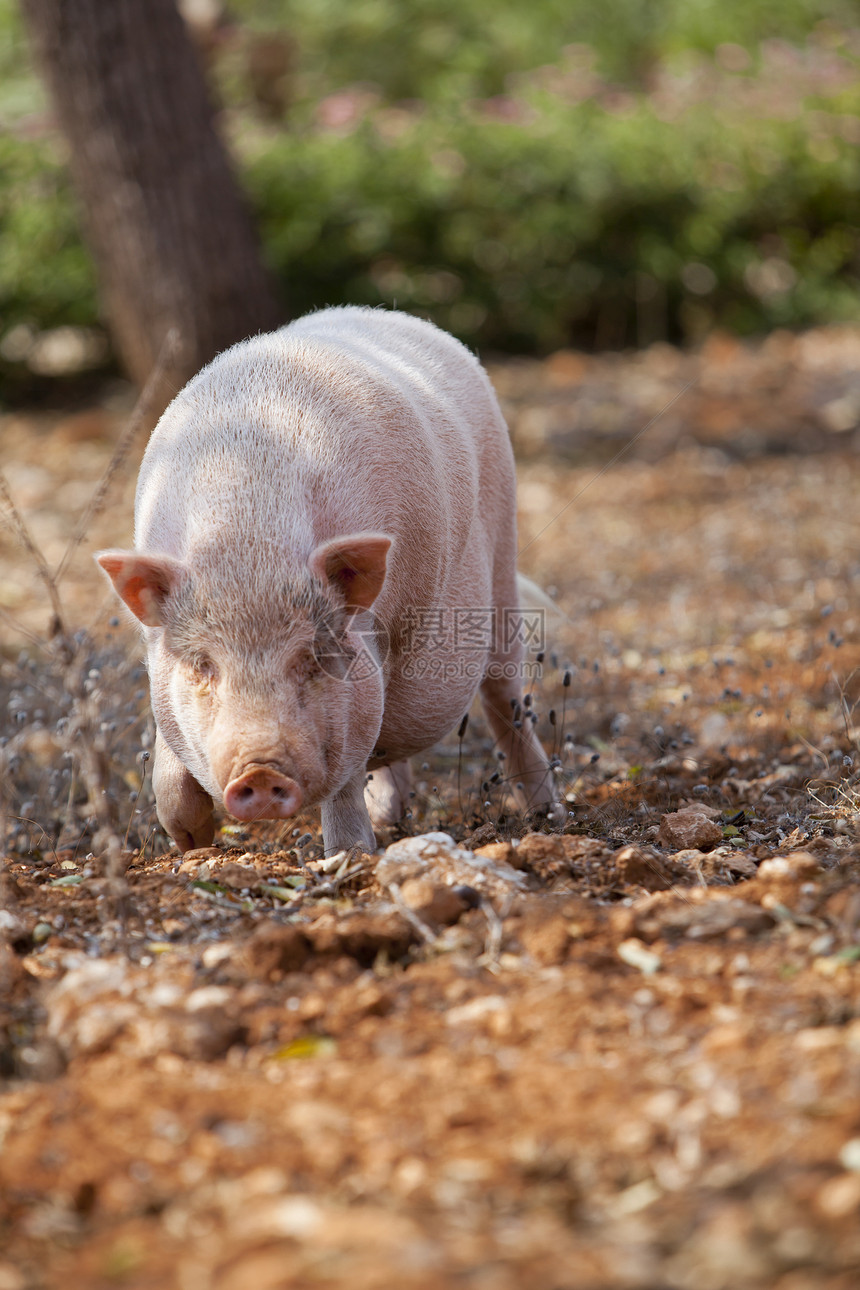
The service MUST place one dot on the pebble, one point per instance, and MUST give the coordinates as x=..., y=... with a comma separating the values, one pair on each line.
x=689, y=829
x=800, y=864
x=839, y=1196
x=636, y=954
x=849, y=1156
x=433, y=902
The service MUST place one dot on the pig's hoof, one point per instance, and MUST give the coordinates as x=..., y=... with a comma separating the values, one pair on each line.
x=188, y=840
x=552, y=812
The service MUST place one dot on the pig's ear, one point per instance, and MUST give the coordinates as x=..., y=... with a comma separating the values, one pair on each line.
x=143, y=581
x=355, y=565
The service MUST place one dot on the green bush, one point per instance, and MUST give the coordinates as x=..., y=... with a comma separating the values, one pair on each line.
x=46, y=275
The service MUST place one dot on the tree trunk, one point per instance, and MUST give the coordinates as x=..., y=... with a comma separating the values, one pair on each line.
x=173, y=242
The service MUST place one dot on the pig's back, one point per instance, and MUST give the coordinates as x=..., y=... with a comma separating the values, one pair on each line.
x=349, y=419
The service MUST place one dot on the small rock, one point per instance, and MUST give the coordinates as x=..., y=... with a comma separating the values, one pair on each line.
x=214, y=955
x=633, y=952
x=234, y=875
x=644, y=868
x=196, y=854
x=688, y=828
x=433, y=902
x=635, y=1198
x=196, y=868
x=499, y=852
x=796, y=866
x=477, y=1010
x=208, y=996
x=849, y=1156
x=723, y=863
x=839, y=1196
x=437, y=856
x=550, y=855
x=297, y=1217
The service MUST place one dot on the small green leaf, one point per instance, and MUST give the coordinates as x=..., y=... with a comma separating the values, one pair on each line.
x=68, y=880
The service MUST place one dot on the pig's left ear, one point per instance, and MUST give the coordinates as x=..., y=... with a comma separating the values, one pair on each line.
x=355, y=565
x=143, y=581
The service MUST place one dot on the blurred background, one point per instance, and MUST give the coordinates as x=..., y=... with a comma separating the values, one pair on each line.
x=531, y=176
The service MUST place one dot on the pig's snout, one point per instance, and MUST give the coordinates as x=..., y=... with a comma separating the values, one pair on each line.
x=262, y=793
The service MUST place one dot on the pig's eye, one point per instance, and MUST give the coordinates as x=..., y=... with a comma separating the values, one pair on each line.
x=309, y=664
x=203, y=668
x=332, y=656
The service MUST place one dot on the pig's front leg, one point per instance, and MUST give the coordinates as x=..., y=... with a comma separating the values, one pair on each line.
x=345, y=821
x=184, y=808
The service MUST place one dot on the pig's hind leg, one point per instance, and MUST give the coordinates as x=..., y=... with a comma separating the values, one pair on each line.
x=525, y=769
x=184, y=808
x=386, y=794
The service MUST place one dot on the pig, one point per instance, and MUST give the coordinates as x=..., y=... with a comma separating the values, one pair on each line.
x=325, y=549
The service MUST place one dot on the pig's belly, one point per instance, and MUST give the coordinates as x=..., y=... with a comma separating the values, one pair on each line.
x=419, y=711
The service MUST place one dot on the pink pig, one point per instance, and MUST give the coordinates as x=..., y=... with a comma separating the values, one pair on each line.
x=354, y=460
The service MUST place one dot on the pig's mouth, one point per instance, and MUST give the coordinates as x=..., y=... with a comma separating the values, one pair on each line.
x=262, y=792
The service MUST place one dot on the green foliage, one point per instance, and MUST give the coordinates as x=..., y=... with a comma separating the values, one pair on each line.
x=529, y=176
x=46, y=275
x=433, y=49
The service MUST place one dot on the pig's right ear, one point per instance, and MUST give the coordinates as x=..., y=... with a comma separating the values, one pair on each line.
x=143, y=581
x=355, y=565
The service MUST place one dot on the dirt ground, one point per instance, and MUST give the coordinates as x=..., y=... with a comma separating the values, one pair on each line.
x=623, y=1054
